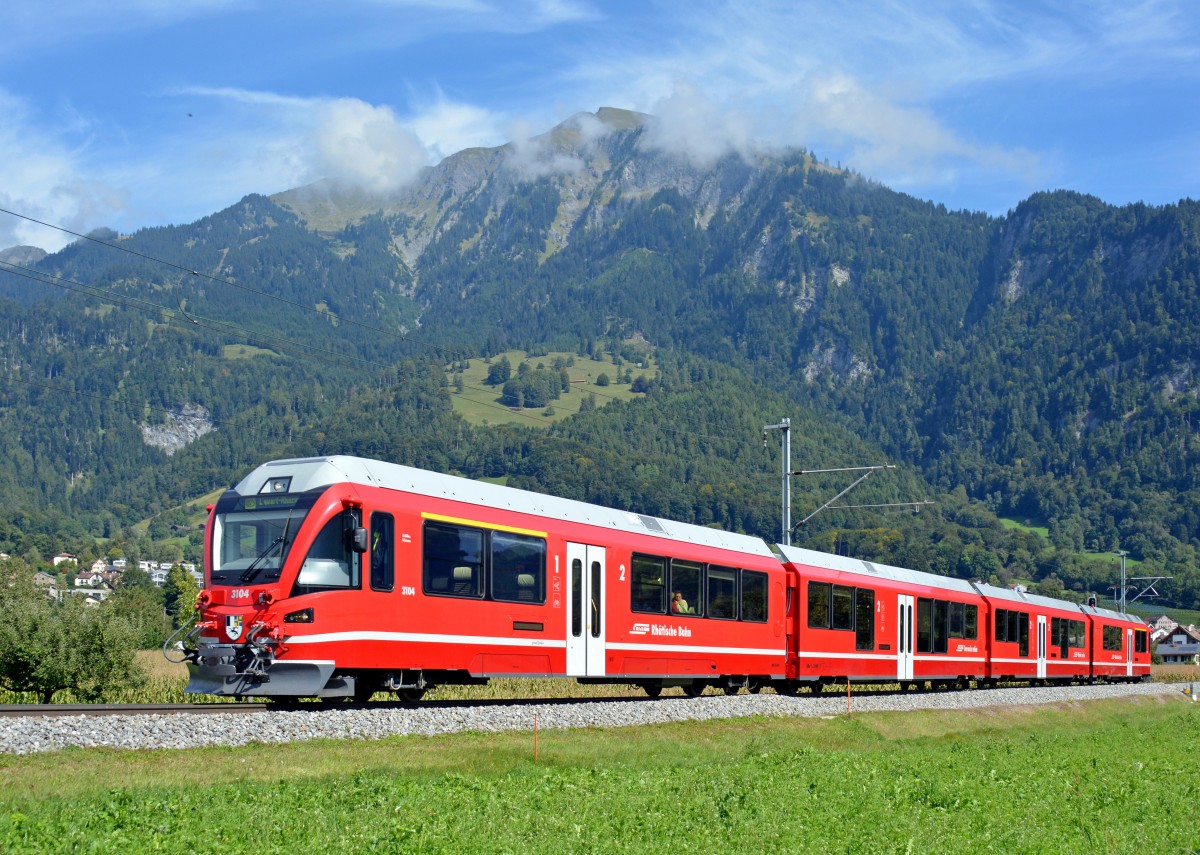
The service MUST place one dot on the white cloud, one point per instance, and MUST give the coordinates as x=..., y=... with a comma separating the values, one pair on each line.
x=691, y=124
x=446, y=127
x=45, y=180
x=365, y=146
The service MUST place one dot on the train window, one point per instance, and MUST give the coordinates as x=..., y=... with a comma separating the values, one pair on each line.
x=842, y=616
x=818, y=604
x=924, y=625
x=754, y=596
x=383, y=552
x=958, y=619
x=941, y=626
x=1014, y=630
x=647, y=588
x=518, y=568
x=576, y=598
x=1112, y=638
x=1139, y=641
x=330, y=562
x=1002, y=624
x=1078, y=634
x=864, y=619
x=686, y=581
x=1060, y=635
x=1022, y=633
x=971, y=622
x=453, y=561
x=722, y=592
x=596, y=578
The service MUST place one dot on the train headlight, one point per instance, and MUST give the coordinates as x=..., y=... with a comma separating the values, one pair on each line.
x=276, y=485
x=302, y=616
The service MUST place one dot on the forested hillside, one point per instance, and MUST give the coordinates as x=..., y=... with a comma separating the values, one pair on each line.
x=1041, y=365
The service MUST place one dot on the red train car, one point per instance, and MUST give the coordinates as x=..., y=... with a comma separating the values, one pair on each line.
x=340, y=576
x=1119, y=646
x=1032, y=637
x=868, y=622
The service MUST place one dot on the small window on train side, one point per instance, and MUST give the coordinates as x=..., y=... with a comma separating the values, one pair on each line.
x=686, y=581
x=1139, y=641
x=722, y=592
x=818, y=604
x=924, y=625
x=453, y=565
x=754, y=596
x=1022, y=633
x=648, y=584
x=518, y=568
x=1001, y=624
x=383, y=552
x=941, y=626
x=864, y=619
x=958, y=619
x=1112, y=638
x=971, y=623
x=843, y=607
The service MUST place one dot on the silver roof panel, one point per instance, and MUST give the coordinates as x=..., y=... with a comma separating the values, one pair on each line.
x=314, y=472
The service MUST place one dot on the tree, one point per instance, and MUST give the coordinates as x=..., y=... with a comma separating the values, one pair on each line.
x=603, y=379
x=47, y=646
x=179, y=595
x=499, y=372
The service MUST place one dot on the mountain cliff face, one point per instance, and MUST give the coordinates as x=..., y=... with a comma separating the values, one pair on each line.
x=1045, y=360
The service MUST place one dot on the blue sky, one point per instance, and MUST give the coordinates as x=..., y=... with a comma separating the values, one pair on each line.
x=133, y=113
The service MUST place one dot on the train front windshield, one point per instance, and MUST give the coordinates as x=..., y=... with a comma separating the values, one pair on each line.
x=253, y=534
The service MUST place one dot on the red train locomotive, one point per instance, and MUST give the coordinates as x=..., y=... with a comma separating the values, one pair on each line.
x=340, y=577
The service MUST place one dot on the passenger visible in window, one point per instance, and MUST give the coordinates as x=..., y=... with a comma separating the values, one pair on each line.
x=679, y=605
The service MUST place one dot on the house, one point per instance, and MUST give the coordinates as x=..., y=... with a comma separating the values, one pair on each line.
x=120, y=563
x=61, y=557
x=159, y=576
x=1156, y=622
x=99, y=566
x=88, y=579
x=44, y=580
x=1184, y=635
x=1179, y=654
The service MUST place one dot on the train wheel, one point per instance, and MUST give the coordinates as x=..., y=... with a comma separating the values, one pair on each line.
x=817, y=686
x=652, y=690
x=754, y=688
x=731, y=690
x=786, y=687
x=694, y=690
x=411, y=696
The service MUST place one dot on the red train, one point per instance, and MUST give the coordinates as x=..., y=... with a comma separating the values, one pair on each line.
x=340, y=577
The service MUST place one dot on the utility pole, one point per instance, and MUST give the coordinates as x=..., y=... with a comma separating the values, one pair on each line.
x=785, y=426
x=1122, y=553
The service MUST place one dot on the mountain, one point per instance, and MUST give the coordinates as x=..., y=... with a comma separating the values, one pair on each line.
x=1042, y=363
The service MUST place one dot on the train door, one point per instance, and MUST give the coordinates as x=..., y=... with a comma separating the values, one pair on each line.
x=1041, y=647
x=585, y=610
x=1129, y=653
x=904, y=643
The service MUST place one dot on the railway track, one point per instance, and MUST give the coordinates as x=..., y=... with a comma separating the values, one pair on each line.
x=61, y=710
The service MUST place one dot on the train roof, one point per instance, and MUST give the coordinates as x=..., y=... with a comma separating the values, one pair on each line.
x=1109, y=613
x=796, y=555
x=311, y=473
x=1020, y=596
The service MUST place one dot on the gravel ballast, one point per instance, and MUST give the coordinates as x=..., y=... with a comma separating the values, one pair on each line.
x=27, y=735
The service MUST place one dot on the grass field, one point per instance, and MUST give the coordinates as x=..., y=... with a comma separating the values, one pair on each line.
x=1111, y=776
x=480, y=404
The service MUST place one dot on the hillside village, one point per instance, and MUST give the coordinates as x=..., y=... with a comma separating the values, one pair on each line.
x=97, y=581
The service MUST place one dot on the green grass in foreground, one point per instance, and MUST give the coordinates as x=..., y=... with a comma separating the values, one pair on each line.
x=1113, y=776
